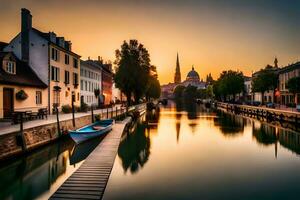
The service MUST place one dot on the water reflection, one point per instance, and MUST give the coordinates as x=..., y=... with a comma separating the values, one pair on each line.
x=264, y=134
x=205, y=164
x=229, y=124
x=29, y=177
x=267, y=134
x=39, y=174
x=81, y=151
x=290, y=140
x=134, y=150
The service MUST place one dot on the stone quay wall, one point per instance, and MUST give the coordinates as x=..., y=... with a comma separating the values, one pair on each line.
x=11, y=144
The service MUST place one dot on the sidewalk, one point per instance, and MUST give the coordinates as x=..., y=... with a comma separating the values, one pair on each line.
x=7, y=127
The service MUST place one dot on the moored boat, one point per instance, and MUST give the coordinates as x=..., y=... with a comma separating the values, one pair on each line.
x=91, y=131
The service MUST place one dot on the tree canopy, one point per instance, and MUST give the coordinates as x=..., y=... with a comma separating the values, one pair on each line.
x=229, y=83
x=293, y=85
x=190, y=94
x=134, y=72
x=265, y=79
x=178, y=92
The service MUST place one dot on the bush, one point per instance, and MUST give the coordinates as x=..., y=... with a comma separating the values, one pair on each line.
x=97, y=117
x=83, y=107
x=66, y=109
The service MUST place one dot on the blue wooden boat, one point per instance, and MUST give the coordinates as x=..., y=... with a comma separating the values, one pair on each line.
x=91, y=131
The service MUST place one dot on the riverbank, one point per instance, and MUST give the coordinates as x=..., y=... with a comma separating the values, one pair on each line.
x=268, y=114
x=41, y=132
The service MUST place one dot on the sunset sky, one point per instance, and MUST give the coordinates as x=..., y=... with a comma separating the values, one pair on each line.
x=212, y=35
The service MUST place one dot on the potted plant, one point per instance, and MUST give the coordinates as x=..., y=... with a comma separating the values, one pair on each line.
x=21, y=95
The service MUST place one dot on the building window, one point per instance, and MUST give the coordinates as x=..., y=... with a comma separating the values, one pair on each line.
x=67, y=59
x=38, y=97
x=75, y=62
x=75, y=79
x=67, y=77
x=54, y=54
x=81, y=84
x=55, y=74
x=10, y=67
x=56, y=97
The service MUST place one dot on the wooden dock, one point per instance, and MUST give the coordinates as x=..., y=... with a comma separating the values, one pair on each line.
x=90, y=180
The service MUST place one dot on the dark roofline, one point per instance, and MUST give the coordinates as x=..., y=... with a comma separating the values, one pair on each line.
x=65, y=50
x=3, y=45
x=27, y=76
x=290, y=67
x=46, y=37
x=90, y=63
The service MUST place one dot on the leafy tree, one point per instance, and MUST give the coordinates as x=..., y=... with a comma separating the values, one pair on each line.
x=178, y=92
x=266, y=79
x=190, y=94
x=229, y=83
x=132, y=70
x=153, y=90
x=293, y=85
x=202, y=93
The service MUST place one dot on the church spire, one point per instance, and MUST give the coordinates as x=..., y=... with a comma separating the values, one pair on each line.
x=276, y=62
x=177, y=77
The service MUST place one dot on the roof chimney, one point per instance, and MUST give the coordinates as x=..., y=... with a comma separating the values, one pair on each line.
x=26, y=25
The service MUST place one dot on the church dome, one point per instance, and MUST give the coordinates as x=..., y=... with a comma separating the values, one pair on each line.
x=193, y=75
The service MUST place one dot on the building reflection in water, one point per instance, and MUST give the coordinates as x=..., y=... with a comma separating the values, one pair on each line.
x=178, y=116
x=134, y=150
x=32, y=175
x=268, y=134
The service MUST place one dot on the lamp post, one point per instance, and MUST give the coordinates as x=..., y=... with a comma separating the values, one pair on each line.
x=73, y=109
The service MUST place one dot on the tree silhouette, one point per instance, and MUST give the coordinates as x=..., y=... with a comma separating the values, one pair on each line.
x=132, y=70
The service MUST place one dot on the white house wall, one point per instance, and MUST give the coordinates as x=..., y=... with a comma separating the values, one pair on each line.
x=38, y=56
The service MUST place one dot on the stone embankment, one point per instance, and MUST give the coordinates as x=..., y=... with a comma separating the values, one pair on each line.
x=18, y=142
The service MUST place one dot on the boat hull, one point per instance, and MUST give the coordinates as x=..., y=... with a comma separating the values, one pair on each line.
x=87, y=132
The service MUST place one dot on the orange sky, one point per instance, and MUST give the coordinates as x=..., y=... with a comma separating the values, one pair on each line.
x=211, y=36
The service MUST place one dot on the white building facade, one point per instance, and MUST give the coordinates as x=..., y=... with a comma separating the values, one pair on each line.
x=90, y=74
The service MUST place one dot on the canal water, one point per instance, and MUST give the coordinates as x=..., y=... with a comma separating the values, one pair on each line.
x=39, y=174
x=198, y=153
x=181, y=152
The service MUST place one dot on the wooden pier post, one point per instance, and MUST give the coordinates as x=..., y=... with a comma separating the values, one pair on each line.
x=21, y=134
x=92, y=113
x=57, y=121
x=73, y=110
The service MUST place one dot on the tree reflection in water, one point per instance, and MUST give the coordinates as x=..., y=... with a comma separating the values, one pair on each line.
x=229, y=124
x=178, y=120
x=134, y=150
x=264, y=134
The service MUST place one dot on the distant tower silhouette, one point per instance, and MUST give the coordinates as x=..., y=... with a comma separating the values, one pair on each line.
x=177, y=77
x=276, y=62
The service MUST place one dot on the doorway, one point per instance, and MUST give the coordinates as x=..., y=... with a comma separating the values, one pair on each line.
x=8, y=102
